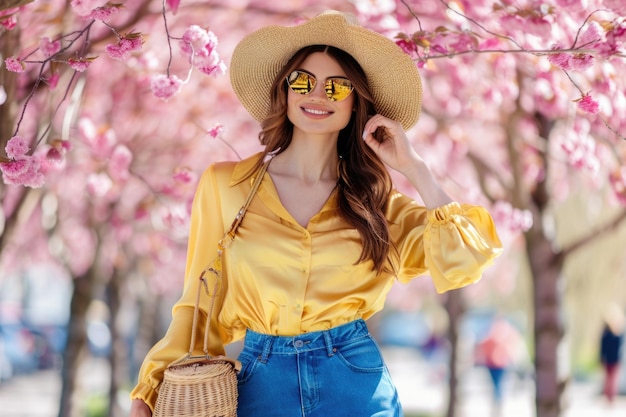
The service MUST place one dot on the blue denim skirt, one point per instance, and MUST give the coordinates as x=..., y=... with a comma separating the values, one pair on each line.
x=331, y=373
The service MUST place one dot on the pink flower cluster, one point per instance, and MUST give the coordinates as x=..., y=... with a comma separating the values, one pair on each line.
x=103, y=13
x=14, y=64
x=587, y=104
x=511, y=218
x=198, y=46
x=125, y=46
x=8, y=18
x=184, y=175
x=84, y=7
x=216, y=130
x=21, y=169
x=173, y=5
x=165, y=87
x=79, y=64
x=569, y=61
x=49, y=47
x=57, y=151
x=580, y=149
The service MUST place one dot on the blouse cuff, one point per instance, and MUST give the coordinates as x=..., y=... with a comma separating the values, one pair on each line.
x=461, y=242
x=444, y=212
x=145, y=393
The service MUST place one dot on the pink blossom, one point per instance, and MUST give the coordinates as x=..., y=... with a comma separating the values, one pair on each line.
x=581, y=62
x=57, y=151
x=490, y=43
x=119, y=164
x=100, y=140
x=591, y=35
x=99, y=184
x=84, y=7
x=24, y=171
x=184, y=175
x=407, y=46
x=79, y=64
x=9, y=23
x=53, y=80
x=581, y=151
x=14, y=168
x=214, y=70
x=104, y=13
x=587, y=104
x=3, y=95
x=16, y=147
x=49, y=47
x=14, y=64
x=165, y=87
x=54, y=155
x=512, y=218
x=216, y=130
x=8, y=18
x=125, y=46
x=198, y=46
x=462, y=42
x=173, y=5
x=197, y=42
x=561, y=59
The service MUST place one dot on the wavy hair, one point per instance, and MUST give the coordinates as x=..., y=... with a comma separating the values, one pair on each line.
x=364, y=184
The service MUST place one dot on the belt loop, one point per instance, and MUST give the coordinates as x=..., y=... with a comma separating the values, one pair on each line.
x=329, y=343
x=267, y=347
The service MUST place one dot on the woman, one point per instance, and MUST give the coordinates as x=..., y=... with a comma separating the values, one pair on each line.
x=326, y=234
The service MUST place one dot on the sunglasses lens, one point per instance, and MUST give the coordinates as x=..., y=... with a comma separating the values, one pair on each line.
x=338, y=89
x=301, y=82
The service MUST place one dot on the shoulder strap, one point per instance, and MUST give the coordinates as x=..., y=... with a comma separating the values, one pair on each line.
x=242, y=211
x=215, y=266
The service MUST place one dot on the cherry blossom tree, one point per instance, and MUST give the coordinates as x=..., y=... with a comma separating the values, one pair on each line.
x=110, y=111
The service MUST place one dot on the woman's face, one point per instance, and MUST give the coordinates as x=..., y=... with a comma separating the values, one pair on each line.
x=314, y=113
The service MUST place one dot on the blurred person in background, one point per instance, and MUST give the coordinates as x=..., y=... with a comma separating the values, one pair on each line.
x=611, y=342
x=499, y=351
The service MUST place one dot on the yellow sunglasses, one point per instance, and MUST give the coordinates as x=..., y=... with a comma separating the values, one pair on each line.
x=336, y=88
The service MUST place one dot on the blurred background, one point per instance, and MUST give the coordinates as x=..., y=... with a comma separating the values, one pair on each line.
x=523, y=112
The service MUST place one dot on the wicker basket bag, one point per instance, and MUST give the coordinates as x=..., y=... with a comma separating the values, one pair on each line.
x=205, y=386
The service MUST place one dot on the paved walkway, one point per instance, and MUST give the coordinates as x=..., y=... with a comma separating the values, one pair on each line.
x=421, y=387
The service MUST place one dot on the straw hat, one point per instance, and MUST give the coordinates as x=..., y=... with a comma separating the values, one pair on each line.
x=392, y=75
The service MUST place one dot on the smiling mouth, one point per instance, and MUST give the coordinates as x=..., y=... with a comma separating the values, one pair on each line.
x=315, y=111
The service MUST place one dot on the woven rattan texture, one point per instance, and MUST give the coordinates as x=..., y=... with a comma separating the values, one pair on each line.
x=198, y=390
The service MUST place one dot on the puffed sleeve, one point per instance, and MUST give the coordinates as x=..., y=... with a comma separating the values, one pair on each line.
x=206, y=229
x=454, y=243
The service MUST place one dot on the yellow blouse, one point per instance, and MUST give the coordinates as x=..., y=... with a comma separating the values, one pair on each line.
x=283, y=279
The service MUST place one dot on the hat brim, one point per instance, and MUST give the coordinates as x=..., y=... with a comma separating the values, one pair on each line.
x=392, y=75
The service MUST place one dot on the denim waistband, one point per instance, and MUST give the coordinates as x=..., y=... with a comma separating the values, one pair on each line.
x=324, y=339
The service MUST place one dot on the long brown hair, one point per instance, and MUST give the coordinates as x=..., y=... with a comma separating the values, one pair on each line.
x=364, y=183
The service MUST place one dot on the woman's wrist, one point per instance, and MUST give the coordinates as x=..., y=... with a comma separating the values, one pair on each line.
x=421, y=177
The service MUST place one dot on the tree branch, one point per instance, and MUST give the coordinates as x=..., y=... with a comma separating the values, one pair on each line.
x=594, y=234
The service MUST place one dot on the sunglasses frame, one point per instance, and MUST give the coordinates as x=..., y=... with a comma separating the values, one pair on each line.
x=329, y=83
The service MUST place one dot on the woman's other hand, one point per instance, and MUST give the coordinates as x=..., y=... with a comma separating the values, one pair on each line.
x=138, y=408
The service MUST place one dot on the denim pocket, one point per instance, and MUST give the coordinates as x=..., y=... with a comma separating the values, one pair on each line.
x=248, y=366
x=361, y=355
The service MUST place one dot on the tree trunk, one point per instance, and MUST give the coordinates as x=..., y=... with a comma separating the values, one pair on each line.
x=548, y=329
x=118, y=358
x=76, y=339
x=455, y=308
x=545, y=266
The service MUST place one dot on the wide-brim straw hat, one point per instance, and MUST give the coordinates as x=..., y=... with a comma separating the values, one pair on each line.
x=392, y=75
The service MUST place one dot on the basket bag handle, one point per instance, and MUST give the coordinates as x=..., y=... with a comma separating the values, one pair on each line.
x=215, y=267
